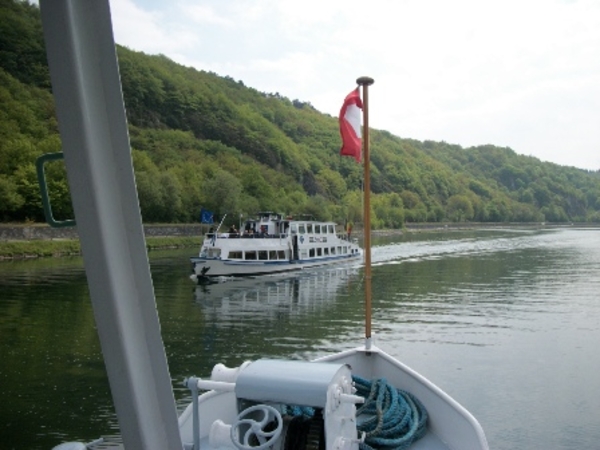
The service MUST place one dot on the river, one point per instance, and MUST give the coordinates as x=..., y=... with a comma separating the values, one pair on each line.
x=507, y=321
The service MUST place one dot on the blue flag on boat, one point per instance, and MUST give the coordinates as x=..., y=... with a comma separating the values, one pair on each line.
x=206, y=216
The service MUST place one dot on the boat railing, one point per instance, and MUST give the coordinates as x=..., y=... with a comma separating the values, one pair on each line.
x=211, y=236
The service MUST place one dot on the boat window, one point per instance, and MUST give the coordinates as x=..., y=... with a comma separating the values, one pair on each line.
x=339, y=250
x=331, y=229
x=309, y=228
x=272, y=254
x=236, y=255
x=281, y=254
x=324, y=239
x=311, y=253
x=345, y=250
x=333, y=250
x=301, y=228
x=214, y=252
x=250, y=254
x=263, y=255
x=317, y=229
x=326, y=251
x=319, y=252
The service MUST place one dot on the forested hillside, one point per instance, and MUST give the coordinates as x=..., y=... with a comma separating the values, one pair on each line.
x=203, y=140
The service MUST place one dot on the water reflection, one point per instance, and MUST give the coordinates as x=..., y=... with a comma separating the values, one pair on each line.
x=269, y=297
x=268, y=316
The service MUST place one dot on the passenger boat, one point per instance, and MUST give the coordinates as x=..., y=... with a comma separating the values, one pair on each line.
x=270, y=243
x=358, y=398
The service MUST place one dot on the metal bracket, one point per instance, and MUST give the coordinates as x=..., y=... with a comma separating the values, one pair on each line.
x=39, y=165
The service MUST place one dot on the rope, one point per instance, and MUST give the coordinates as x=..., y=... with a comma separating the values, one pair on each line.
x=295, y=411
x=394, y=418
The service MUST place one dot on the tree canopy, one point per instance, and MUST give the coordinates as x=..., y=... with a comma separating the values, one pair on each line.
x=200, y=140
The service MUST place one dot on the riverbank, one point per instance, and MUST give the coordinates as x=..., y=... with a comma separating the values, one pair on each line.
x=26, y=241
x=40, y=240
x=41, y=248
x=39, y=231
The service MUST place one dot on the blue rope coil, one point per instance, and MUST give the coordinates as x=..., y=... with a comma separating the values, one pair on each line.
x=392, y=419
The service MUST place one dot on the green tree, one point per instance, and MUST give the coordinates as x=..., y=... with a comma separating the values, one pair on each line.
x=222, y=194
x=331, y=184
x=10, y=199
x=28, y=188
x=460, y=208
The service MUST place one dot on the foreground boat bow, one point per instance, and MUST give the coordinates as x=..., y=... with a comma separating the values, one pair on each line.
x=316, y=405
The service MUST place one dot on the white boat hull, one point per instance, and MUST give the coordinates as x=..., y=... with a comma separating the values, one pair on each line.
x=229, y=268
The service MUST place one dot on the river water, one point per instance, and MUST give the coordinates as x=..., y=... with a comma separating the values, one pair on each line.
x=506, y=321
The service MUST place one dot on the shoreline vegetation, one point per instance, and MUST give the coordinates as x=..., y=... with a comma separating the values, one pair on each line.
x=16, y=249
x=43, y=248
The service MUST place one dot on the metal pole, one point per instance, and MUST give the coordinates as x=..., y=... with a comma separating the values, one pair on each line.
x=93, y=129
x=365, y=82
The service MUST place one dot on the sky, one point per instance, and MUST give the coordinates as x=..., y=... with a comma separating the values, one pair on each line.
x=523, y=74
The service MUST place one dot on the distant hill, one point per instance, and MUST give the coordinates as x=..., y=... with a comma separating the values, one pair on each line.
x=203, y=140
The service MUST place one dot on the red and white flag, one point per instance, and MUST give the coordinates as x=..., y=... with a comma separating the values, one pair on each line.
x=350, y=125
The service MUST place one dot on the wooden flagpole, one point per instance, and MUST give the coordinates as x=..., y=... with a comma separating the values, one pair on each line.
x=365, y=82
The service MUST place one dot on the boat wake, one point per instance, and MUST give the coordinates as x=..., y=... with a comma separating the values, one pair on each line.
x=469, y=246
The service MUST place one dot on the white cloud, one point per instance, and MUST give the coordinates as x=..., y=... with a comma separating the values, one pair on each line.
x=149, y=30
x=203, y=14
